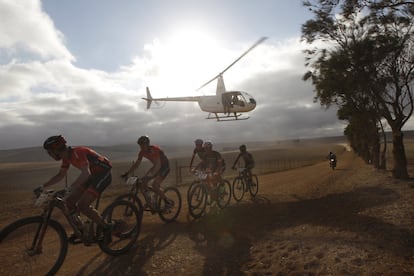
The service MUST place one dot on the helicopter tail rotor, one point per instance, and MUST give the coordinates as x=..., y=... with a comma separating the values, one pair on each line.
x=148, y=98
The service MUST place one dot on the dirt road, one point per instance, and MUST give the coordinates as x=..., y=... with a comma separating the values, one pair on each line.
x=306, y=221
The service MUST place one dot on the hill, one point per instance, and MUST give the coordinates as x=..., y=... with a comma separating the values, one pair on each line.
x=128, y=152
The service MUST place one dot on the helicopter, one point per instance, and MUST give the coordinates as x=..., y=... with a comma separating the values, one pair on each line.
x=224, y=105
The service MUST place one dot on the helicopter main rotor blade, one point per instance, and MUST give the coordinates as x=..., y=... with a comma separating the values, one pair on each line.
x=208, y=82
x=234, y=62
x=245, y=53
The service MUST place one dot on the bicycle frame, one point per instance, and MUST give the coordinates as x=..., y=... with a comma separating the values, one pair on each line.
x=54, y=201
x=138, y=186
x=243, y=173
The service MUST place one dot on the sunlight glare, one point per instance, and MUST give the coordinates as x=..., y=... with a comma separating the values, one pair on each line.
x=187, y=59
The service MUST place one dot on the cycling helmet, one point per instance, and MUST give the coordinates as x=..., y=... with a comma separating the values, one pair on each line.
x=208, y=144
x=242, y=148
x=143, y=140
x=198, y=142
x=54, y=143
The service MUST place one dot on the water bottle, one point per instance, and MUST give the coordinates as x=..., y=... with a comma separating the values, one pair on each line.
x=154, y=201
x=77, y=221
x=88, y=233
x=148, y=196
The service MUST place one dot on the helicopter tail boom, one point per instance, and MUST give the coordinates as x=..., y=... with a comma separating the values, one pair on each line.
x=148, y=98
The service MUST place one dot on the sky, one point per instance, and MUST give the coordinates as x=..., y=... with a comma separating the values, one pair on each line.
x=80, y=68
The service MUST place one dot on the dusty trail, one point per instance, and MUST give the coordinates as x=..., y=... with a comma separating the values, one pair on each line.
x=310, y=220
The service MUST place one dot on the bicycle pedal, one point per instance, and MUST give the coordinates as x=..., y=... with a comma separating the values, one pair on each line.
x=74, y=240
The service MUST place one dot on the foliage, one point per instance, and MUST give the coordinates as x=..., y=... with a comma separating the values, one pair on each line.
x=362, y=60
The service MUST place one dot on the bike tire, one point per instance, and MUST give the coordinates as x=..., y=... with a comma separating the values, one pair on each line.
x=121, y=238
x=254, y=186
x=198, y=201
x=170, y=214
x=223, y=193
x=238, y=188
x=16, y=241
x=190, y=188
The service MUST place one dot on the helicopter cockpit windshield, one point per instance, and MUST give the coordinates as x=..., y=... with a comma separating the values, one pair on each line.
x=236, y=98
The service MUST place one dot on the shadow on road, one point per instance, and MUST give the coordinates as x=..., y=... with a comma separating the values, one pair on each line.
x=224, y=238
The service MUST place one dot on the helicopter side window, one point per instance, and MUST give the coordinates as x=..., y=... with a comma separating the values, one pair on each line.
x=238, y=100
x=252, y=101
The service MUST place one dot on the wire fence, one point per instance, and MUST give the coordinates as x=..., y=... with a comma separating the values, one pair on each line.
x=266, y=161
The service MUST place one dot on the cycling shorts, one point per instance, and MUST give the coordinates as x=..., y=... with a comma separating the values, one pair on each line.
x=98, y=182
x=164, y=170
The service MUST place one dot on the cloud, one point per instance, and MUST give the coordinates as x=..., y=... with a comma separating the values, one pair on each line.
x=28, y=31
x=47, y=94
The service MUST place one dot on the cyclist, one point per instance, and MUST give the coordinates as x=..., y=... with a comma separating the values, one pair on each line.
x=214, y=163
x=198, y=150
x=158, y=171
x=332, y=156
x=95, y=176
x=248, y=161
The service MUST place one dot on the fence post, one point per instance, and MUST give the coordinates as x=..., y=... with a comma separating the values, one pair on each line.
x=177, y=173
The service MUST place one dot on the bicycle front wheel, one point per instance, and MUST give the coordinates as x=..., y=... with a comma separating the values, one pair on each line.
x=197, y=201
x=126, y=220
x=190, y=188
x=25, y=251
x=254, y=185
x=134, y=199
x=169, y=213
x=238, y=188
x=223, y=193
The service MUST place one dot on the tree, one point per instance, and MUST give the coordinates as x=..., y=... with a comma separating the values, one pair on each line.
x=367, y=56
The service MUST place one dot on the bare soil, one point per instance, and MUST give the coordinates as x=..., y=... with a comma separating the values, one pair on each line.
x=307, y=221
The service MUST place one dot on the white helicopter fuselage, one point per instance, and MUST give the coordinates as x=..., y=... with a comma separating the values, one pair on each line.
x=243, y=102
x=227, y=102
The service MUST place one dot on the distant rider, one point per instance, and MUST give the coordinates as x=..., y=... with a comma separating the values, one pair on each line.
x=158, y=171
x=199, y=151
x=248, y=161
x=332, y=156
x=214, y=164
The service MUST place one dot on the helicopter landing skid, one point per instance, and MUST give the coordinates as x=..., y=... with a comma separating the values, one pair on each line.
x=229, y=117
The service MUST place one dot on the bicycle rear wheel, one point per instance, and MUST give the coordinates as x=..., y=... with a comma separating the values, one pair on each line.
x=238, y=188
x=126, y=220
x=254, y=185
x=170, y=213
x=223, y=193
x=21, y=256
x=198, y=200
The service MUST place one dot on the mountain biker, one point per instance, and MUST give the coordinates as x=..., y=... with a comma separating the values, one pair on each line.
x=331, y=155
x=198, y=150
x=248, y=161
x=214, y=163
x=95, y=176
x=158, y=171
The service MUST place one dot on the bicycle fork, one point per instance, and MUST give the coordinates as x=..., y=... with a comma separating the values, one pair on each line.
x=37, y=243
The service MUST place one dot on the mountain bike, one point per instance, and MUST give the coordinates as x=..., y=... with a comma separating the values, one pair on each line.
x=242, y=183
x=38, y=245
x=201, y=176
x=200, y=195
x=153, y=203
